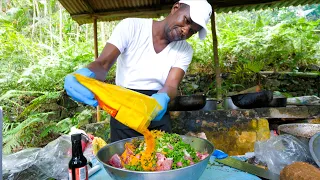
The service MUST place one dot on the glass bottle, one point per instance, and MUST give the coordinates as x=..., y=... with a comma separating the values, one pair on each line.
x=78, y=169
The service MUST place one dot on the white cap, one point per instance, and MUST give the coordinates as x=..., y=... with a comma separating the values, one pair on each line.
x=200, y=12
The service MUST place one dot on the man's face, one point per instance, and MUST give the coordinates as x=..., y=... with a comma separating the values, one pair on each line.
x=180, y=25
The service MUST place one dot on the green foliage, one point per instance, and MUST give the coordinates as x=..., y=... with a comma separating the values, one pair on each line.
x=279, y=38
x=35, y=103
x=16, y=135
x=36, y=130
x=268, y=40
x=30, y=126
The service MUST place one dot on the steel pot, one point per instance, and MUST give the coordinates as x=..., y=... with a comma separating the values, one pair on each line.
x=192, y=172
x=211, y=104
x=228, y=104
x=253, y=100
x=187, y=103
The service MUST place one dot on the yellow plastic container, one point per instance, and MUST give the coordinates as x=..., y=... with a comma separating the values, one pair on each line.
x=131, y=108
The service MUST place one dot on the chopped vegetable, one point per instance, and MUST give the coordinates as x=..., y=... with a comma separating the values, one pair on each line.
x=169, y=152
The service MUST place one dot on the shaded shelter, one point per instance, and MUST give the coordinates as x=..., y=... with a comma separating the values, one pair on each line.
x=92, y=11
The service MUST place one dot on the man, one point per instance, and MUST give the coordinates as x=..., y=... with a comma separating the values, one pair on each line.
x=152, y=58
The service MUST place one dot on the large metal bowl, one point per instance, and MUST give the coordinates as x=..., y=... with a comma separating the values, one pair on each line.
x=192, y=172
x=314, y=146
x=303, y=131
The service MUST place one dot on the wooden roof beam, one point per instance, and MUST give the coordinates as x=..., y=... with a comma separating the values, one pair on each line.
x=124, y=13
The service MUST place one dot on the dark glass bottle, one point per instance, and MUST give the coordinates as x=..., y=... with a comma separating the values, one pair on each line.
x=78, y=169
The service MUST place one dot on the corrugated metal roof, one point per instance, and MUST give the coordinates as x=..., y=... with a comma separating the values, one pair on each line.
x=83, y=11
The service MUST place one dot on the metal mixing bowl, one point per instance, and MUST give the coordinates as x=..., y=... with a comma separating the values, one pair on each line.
x=314, y=146
x=303, y=131
x=192, y=172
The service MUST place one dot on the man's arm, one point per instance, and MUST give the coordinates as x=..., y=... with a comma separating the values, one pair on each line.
x=104, y=62
x=172, y=83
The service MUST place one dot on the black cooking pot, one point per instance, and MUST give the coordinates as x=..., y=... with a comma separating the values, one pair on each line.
x=187, y=103
x=278, y=102
x=253, y=100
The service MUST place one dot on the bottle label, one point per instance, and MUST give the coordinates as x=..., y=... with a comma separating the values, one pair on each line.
x=80, y=173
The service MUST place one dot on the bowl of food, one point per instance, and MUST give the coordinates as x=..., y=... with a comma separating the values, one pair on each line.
x=174, y=157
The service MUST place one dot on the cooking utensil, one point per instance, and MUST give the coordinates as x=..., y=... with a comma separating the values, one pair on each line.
x=278, y=102
x=192, y=172
x=228, y=104
x=93, y=170
x=302, y=131
x=211, y=104
x=246, y=167
x=187, y=103
x=314, y=146
x=253, y=100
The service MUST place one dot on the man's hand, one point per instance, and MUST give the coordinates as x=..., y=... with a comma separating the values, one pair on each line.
x=163, y=99
x=77, y=91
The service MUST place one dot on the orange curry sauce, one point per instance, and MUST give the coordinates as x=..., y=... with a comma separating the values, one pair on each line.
x=146, y=158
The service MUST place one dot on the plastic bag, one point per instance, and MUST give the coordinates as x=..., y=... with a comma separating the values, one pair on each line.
x=54, y=158
x=280, y=151
x=50, y=161
x=18, y=165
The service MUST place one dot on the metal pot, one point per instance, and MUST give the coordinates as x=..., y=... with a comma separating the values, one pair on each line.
x=211, y=104
x=253, y=100
x=228, y=104
x=187, y=103
x=187, y=173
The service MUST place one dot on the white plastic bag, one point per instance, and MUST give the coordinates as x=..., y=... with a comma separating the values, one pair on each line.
x=304, y=100
x=41, y=163
x=280, y=151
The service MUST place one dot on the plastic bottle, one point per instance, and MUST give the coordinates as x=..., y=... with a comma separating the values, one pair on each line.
x=131, y=108
x=78, y=169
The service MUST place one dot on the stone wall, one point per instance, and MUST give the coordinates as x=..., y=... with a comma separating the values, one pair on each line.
x=236, y=131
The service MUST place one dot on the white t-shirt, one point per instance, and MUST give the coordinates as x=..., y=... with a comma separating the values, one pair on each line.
x=139, y=66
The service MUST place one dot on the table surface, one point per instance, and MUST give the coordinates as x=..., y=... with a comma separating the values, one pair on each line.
x=214, y=170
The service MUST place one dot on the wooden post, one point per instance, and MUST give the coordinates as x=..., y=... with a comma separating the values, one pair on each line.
x=95, y=41
x=215, y=54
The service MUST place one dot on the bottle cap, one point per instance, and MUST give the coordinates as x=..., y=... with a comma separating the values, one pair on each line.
x=76, y=137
